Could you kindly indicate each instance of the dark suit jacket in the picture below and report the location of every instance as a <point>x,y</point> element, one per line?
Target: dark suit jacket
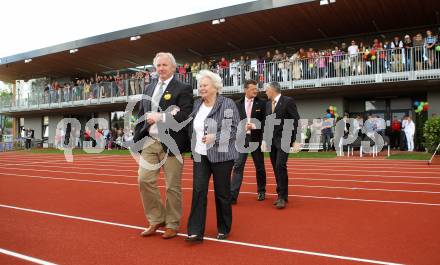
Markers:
<point>258,112</point>
<point>284,109</point>
<point>182,97</point>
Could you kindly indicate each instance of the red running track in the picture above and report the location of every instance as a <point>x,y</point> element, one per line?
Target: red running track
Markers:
<point>340,212</point>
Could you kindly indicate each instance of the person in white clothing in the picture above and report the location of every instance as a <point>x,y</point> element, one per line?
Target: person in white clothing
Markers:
<point>353,52</point>
<point>409,130</point>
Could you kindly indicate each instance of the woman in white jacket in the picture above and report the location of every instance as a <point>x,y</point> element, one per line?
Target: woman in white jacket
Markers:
<point>409,130</point>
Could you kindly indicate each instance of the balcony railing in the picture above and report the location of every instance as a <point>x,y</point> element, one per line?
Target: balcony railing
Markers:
<point>336,69</point>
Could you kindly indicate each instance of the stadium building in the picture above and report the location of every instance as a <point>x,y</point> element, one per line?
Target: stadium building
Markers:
<point>379,78</point>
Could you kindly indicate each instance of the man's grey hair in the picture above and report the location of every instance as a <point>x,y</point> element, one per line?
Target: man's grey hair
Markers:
<point>167,54</point>
<point>215,78</point>
<point>275,86</point>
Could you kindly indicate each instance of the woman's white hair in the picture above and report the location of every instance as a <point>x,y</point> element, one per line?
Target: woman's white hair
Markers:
<point>167,54</point>
<point>215,79</point>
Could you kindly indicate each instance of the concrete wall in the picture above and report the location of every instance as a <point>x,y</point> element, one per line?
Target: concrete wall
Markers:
<point>34,123</point>
<point>105,115</point>
<point>434,103</point>
<point>316,107</point>
<point>53,122</point>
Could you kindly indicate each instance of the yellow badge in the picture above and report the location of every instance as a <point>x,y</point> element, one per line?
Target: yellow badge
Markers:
<point>167,96</point>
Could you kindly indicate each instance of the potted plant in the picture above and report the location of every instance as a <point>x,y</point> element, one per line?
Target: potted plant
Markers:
<point>431,133</point>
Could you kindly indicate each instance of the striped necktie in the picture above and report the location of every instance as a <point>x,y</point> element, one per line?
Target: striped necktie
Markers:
<point>157,96</point>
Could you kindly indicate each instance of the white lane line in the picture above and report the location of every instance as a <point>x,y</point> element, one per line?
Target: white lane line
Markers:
<point>319,162</point>
<point>188,173</point>
<point>33,163</point>
<point>254,183</point>
<point>289,250</point>
<point>80,167</point>
<point>24,257</point>
<point>134,169</point>
<point>244,192</point>
<point>290,163</point>
<point>293,161</point>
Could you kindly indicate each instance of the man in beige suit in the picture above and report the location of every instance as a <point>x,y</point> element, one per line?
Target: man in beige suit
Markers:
<point>165,93</point>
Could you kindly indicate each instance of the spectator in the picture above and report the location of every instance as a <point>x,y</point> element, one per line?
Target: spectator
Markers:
<point>315,134</point>
<point>302,56</point>
<point>418,51</point>
<point>29,136</point>
<point>353,51</point>
<point>388,53</point>
<point>403,139</point>
<point>233,66</point>
<point>311,57</point>
<point>337,58</point>
<point>377,51</point>
<point>410,129</point>
<point>278,65</point>
<point>345,65</point>
<point>327,133</point>
<point>430,42</point>
<point>268,67</point>
<point>396,46</point>
<point>395,133</point>
<point>296,65</point>
<point>409,53</point>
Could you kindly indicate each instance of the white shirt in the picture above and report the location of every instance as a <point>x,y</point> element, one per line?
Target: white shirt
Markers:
<point>404,123</point>
<point>199,128</point>
<point>353,50</point>
<point>410,128</point>
<point>153,128</point>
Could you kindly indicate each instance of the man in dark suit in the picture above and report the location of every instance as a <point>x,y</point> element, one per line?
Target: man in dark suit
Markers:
<point>250,107</point>
<point>285,111</point>
<point>166,93</point>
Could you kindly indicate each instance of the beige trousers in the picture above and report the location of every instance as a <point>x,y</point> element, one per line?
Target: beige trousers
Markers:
<point>155,211</point>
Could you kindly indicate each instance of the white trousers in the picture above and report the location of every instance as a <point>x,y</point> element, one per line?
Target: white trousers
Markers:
<point>410,141</point>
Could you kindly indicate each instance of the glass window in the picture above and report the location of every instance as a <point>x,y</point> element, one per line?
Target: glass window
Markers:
<point>400,103</point>
<point>375,105</point>
<point>45,130</point>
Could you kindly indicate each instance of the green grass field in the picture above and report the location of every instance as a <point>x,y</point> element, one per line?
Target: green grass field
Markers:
<point>304,154</point>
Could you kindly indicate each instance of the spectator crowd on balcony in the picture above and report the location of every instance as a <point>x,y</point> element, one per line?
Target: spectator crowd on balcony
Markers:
<point>417,52</point>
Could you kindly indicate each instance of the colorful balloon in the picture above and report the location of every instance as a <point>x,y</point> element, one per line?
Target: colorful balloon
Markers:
<point>437,48</point>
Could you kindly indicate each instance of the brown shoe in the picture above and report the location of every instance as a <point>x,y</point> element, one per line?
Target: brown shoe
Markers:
<point>152,229</point>
<point>169,233</point>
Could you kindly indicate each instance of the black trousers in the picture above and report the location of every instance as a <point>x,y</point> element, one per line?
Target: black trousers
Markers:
<point>403,142</point>
<point>237,172</point>
<point>395,139</point>
<point>28,143</point>
<point>222,190</point>
<point>278,158</point>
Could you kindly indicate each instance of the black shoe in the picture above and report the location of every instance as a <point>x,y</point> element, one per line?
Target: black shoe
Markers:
<point>221,236</point>
<point>194,239</point>
<point>281,204</point>
<point>261,196</point>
